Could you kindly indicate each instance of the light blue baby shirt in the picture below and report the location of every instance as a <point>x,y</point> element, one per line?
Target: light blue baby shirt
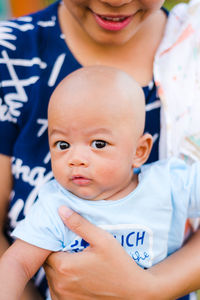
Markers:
<point>149,223</point>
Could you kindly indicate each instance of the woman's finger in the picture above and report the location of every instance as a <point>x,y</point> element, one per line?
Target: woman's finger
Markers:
<point>94,235</point>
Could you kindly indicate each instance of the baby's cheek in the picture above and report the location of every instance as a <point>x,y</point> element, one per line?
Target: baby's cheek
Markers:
<point>59,170</point>
<point>110,173</point>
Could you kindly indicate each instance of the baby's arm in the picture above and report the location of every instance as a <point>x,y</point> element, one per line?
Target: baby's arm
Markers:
<point>17,265</point>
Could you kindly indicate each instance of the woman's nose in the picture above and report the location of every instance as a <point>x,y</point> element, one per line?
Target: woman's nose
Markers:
<point>116,3</point>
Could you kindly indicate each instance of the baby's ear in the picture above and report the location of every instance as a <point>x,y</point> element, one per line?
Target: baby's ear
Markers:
<point>143,150</point>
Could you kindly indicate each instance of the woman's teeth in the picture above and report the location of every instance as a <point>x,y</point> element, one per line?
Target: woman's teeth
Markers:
<point>114,19</point>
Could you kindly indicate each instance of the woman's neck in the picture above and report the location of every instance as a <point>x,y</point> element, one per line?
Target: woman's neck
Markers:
<point>135,56</point>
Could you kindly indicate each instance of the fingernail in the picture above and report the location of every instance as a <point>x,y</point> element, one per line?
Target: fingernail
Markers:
<point>65,212</point>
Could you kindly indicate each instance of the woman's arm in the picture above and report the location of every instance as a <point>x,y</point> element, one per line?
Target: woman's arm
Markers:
<point>6,186</point>
<point>179,274</point>
<point>105,271</point>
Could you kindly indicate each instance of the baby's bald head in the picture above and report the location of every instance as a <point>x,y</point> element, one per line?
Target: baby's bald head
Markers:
<point>101,89</point>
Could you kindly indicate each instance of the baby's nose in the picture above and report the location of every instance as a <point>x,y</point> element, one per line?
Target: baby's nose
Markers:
<point>77,162</point>
<point>78,158</point>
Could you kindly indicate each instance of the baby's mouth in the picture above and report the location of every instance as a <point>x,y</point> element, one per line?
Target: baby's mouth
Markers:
<point>80,180</point>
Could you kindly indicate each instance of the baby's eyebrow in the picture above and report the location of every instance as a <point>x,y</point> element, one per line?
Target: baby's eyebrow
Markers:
<point>57,131</point>
<point>86,131</point>
<point>99,130</point>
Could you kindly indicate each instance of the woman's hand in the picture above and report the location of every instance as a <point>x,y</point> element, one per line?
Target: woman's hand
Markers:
<point>102,271</point>
<point>105,271</point>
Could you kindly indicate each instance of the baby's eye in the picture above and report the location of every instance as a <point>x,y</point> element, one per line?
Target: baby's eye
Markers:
<point>61,145</point>
<point>98,144</point>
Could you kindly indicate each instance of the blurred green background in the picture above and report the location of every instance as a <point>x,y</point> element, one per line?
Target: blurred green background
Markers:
<point>170,3</point>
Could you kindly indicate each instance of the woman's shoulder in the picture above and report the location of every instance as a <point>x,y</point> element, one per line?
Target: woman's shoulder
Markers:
<point>191,8</point>
<point>184,15</point>
<point>22,33</point>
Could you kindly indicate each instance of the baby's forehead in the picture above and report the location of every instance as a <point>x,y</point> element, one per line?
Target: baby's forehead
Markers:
<point>99,88</point>
<point>110,86</point>
<point>97,100</point>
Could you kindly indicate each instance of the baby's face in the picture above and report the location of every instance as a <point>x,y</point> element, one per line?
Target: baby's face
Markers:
<point>92,145</point>
<point>95,122</point>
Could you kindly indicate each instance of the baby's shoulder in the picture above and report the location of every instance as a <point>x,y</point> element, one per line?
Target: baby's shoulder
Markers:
<point>49,188</point>
<point>164,168</point>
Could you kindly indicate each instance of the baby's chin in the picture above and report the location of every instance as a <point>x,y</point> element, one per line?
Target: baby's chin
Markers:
<point>86,195</point>
<point>90,193</point>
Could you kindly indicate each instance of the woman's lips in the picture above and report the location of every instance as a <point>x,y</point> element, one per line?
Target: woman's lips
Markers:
<point>112,23</point>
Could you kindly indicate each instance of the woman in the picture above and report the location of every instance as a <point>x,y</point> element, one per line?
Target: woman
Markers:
<point>37,51</point>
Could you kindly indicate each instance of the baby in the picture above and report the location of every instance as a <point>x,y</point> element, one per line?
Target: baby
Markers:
<point>96,121</point>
